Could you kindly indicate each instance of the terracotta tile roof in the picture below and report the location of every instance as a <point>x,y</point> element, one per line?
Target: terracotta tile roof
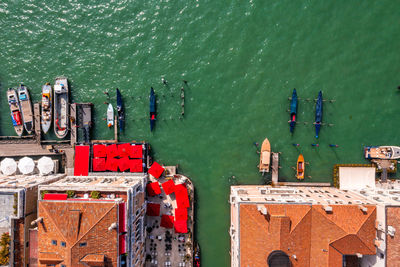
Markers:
<point>49,258</point>
<point>393,243</point>
<point>94,259</point>
<point>315,237</point>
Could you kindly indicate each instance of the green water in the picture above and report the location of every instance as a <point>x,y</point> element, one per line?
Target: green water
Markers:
<point>241,60</point>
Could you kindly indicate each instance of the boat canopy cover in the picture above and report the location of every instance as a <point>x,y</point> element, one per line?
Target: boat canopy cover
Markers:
<point>156,170</point>
<point>81,167</point>
<point>59,88</point>
<point>181,195</point>
<point>153,209</point>
<point>153,189</point>
<point>99,151</point>
<point>136,152</point>
<point>169,187</point>
<point>136,165</point>
<point>167,221</point>
<point>99,164</point>
<point>265,157</point>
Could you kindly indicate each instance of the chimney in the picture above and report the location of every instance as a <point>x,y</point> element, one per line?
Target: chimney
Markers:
<point>112,226</point>
<point>328,209</point>
<point>391,230</point>
<point>262,209</point>
<point>363,209</point>
<point>38,220</point>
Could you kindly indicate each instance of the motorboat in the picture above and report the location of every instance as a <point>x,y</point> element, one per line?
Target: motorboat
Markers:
<point>46,107</point>
<point>300,167</point>
<point>26,108</point>
<point>153,112</point>
<point>61,107</point>
<point>110,116</point>
<point>293,110</point>
<point>120,110</point>
<point>318,114</point>
<point>265,156</point>
<point>15,109</point>
<point>382,152</point>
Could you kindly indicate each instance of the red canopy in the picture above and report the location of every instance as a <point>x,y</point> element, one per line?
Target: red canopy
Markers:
<point>136,152</point>
<point>136,165</point>
<point>156,170</point>
<point>112,151</point>
<point>98,164</point>
<point>124,150</point>
<point>181,214</point>
<point>123,164</point>
<point>153,209</point>
<point>99,151</point>
<point>167,221</point>
<point>153,189</point>
<point>112,164</point>
<point>81,166</point>
<point>169,187</point>
<point>181,195</point>
<point>55,196</point>
<point>180,226</point>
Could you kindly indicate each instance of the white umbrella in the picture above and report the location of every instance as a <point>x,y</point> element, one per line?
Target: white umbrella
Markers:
<point>45,165</point>
<point>26,165</point>
<point>8,166</point>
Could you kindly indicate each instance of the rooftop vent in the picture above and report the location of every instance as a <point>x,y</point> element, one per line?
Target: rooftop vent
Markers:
<point>112,226</point>
<point>363,209</point>
<point>328,209</point>
<point>262,209</point>
<point>391,230</point>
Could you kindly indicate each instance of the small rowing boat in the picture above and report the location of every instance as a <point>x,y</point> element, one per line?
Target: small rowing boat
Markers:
<point>382,152</point>
<point>300,167</point>
<point>15,111</point>
<point>110,116</point>
<point>46,107</point>
<point>293,110</point>
<point>318,114</point>
<point>196,256</point>
<point>61,107</point>
<point>152,109</point>
<point>265,156</point>
<point>120,110</point>
<point>26,107</point>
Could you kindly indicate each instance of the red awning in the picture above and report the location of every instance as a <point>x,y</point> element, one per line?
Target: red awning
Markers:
<point>124,150</point>
<point>99,151</point>
<point>136,165</point>
<point>153,209</point>
<point>55,196</point>
<point>167,221</point>
<point>98,164</point>
<point>169,187</point>
<point>153,189</point>
<point>112,164</point>
<point>123,164</point>
<point>122,217</point>
<point>180,226</point>
<point>122,244</point>
<point>156,170</point>
<point>181,214</point>
<point>112,151</point>
<point>81,167</point>
<point>136,152</point>
<point>181,195</point>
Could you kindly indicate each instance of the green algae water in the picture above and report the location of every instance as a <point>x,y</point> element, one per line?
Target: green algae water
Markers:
<point>241,60</point>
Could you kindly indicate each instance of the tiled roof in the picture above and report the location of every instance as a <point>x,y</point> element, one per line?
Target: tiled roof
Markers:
<point>94,259</point>
<point>308,234</point>
<point>393,243</point>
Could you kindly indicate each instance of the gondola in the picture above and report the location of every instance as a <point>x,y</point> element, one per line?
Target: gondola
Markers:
<point>15,111</point>
<point>318,114</point>
<point>293,111</point>
<point>153,113</point>
<point>120,110</point>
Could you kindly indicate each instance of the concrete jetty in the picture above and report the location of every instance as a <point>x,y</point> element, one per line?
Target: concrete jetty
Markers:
<point>275,167</point>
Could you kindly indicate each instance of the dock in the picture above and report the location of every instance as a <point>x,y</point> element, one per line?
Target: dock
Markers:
<point>36,115</point>
<point>74,134</point>
<point>275,167</point>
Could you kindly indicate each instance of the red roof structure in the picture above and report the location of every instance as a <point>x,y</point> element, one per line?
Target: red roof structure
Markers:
<point>135,165</point>
<point>181,214</point>
<point>167,221</point>
<point>124,150</point>
<point>181,195</point>
<point>112,151</point>
<point>124,164</point>
<point>98,164</point>
<point>136,152</point>
<point>180,226</point>
<point>112,164</point>
<point>55,196</point>
<point>156,170</point>
<point>81,167</point>
<point>153,209</point>
<point>169,187</point>
<point>153,189</point>
<point>99,151</point>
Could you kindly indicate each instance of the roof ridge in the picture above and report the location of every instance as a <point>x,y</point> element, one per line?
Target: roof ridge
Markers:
<point>302,218</point>
<point>360,230</point>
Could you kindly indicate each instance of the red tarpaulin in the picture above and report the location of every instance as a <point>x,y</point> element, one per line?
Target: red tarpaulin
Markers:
<point>156,170</point>
<point>99,151</point>
<point>169,187</point>
<point>124,150</point>
<point>153,209</point>
<point>181,195</point>
<point>136,165</point>
<point>153,189</point>
<point>112,164</point>
<point>167,221</point>
<point>55,196</point>
<point>112,151</point>
<point>136,152</point>
<point>99,164</point>
<point>81,167</point>
<point>123,164</point>
<point>180,226</point>
<point>181,214</point>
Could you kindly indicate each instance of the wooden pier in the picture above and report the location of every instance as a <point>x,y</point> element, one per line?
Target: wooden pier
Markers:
<point>36,114</point>
<point>74,134</point>
<point>275,167</point>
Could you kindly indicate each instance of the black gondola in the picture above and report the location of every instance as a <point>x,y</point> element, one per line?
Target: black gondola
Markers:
<point>120,110</point>
<point>152,109</point>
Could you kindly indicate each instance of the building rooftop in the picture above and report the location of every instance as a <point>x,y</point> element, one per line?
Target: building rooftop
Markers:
<point>26,181</point>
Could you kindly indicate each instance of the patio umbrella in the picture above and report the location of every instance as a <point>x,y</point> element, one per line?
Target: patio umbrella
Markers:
<point>26,165</point>
<point>45,165</point>
<point>8,166</point>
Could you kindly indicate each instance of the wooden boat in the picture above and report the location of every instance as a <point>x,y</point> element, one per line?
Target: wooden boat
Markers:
<point>46,107</point>
<point>120,110</point>
<point>382,152</point>
<point>293,110</point>
<point>300,167</point>
<point>196,256</point>
<point>318,114</point>
<point>26,107</point>
<point>153,112</point>
<point>265,156</point>
<point>15,109</point>
<point>110,116</point>
<point>61,107</point>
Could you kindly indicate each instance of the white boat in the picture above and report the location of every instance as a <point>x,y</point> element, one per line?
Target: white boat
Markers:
<point>110,116</point>
<point>46,107</point>
<point>61,107</point>
<point>382,152</point>
<point>26,107</point>
<point>265,156</point>
<point>15,109</point>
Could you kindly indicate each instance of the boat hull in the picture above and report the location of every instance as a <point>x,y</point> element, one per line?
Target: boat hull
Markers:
<point>120,110</point>
<point>153,112</point>
<point>61,107</point>
<point>265,156</point>
<point>15,110</point>
<point>46,107</point>
<point>26,108</point>
<point>318,114</point>
<point>110,116</point>
<point>300,167</point>
<point>293,111</point>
